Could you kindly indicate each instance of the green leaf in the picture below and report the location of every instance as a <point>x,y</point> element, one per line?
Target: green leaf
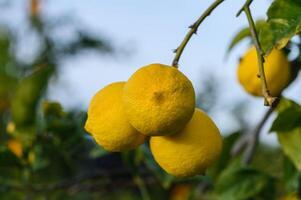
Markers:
<point>27,95</point>
<point>225,156</point>
<point>291,145</point>
<point>52,109</point>
<point>284,21</point>
<point>243,34</point>
<point>285,104</point>
<point>287,125</point>
<point>264,155</point>
<point>289,116</point>
<point>243,183</point>
<point>5,43</point>
<point>290,176</point>
<point>287,120</point>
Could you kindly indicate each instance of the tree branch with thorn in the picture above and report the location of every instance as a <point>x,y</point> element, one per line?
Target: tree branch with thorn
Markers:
<point>250,140</point>
<point>193,29</point>
<point>268,99</point>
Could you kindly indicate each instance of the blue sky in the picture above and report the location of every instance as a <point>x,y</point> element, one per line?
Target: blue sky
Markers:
<point>151,29</point>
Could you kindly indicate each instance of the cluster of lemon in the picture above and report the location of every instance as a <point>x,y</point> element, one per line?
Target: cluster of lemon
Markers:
<point>158,101</point>
<point>277,71</point>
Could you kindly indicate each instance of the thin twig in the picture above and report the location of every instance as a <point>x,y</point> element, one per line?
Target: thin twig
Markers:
<point>268,99</point>
<point>193,29</point>
<point>142,187</point>
<point>250,140</point>
<point>247,4</point>
<point>255,137</point>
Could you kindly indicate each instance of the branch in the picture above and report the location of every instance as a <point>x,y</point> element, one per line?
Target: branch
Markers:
<point>250,140</point>
<point>247,4</point>
<point>269,100</point>
<point>193,29</point>
<point>255,137</point>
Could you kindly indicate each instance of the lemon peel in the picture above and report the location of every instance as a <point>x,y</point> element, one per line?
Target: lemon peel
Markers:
<point>190,151</point>
<point>107,122</point>
<point>158,100</point>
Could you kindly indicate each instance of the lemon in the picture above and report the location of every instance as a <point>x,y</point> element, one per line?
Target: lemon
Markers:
<point>15,146</point>
<point>107,122</point>
<point>181,192</point>
<point>291,196</point>
<point>158,100</point>
<point>190,151</point>
<point>277,72</point>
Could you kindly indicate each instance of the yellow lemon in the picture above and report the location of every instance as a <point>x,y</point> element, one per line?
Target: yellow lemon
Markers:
<point>31,157</point>
<point>291,196</point>
<point>180,192</point>
<point>190,151</point>
<point>15,146</point>
<point>276,67</point>
<point>10,128</point>
<point>107,122</point>
<point>158,100</point>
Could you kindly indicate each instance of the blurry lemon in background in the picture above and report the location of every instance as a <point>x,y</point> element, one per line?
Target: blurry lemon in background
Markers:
<point>15,146</point>
<point>276,67</point>
<point>190,151</point>
<point>107,121</point>
<point>158,100</point>
<point>292,196</point>
<point>180,192</point>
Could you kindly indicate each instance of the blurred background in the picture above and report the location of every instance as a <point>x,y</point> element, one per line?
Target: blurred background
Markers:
<point>55,55</point>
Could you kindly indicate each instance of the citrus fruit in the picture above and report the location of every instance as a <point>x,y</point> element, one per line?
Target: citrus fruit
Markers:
<point>15,146</point>
<point>291,196</point>
<point>107,122</point>
<point>158,100</point>
<point>276,68</point>
<point>181,191</point>
<point>190,151</point>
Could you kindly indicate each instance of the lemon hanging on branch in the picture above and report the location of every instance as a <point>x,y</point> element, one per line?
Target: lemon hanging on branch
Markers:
<point>276,68</point>
<point>107,121</point>
<point>158,100</point>
<point>190,151</point>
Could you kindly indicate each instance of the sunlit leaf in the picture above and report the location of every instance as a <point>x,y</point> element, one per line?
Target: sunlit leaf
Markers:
<point>243,183</point>
<point>243,34</point>
<point>287,120</point>
<point>291,144</point>
<point>287,125</point>
<point>28,94</point>
<point>284,21</point>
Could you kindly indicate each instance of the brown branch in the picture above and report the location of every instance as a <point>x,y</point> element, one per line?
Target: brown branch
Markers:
<point>268,99</point>
<point>250,140</point>
<point>193,29</point>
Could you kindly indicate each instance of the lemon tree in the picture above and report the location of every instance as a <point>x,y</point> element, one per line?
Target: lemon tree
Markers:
<point>144,138</point>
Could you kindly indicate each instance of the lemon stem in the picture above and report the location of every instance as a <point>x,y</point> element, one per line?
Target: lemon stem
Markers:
<point>268,99</point>
<point>247,4</point>
<point>193,30</point>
